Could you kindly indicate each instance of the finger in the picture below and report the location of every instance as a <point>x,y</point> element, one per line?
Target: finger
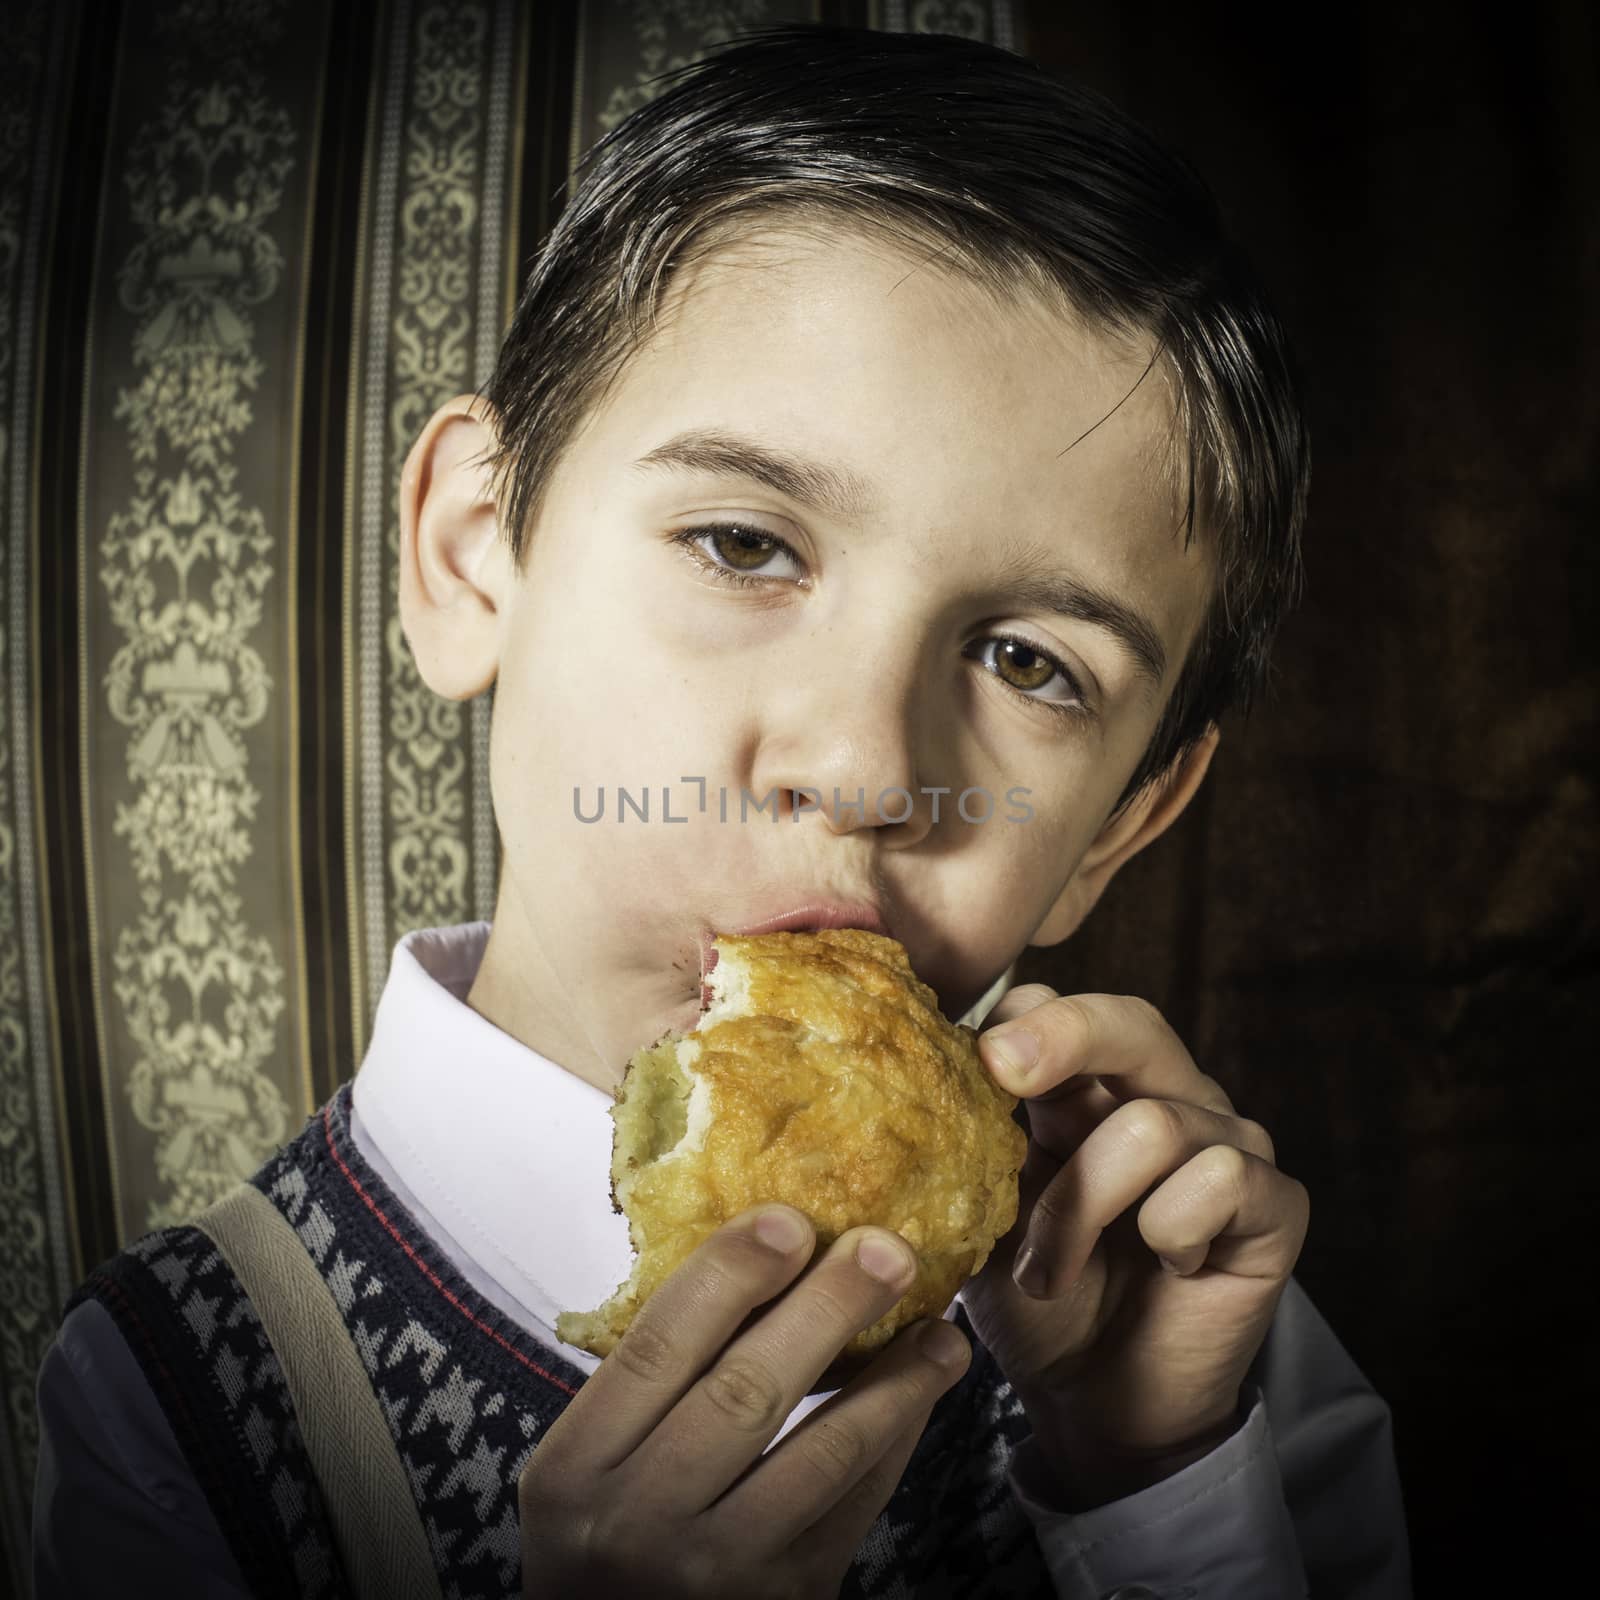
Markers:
<point>1134,1149</point>
<point>1076,1105</point>
<point>678,1332</point>
<point>818,1550</point>
<point>1119,1039</point>
<point>1230,1211</point>
<point>1018,1002</point>
<point>1062,1118</point>
<point>733,1412</point>
<point>842,1462</point>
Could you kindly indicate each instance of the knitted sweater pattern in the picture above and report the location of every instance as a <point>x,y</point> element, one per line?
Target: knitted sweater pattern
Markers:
<point>468,1394</point>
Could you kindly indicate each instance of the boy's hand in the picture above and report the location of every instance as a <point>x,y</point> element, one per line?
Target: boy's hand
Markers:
<point>1129,1369</point>
<point>652,1481</point>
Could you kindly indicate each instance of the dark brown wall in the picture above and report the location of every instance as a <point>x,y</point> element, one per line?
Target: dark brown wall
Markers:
<point>1378,927</point>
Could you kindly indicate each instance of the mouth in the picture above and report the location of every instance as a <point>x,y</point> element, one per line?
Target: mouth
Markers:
<point>808,918</point>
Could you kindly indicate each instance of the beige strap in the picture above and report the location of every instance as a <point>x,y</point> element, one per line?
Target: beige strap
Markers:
<point>353,1454</point>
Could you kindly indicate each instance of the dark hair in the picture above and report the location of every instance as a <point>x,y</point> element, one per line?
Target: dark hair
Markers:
<point>1019,179</point>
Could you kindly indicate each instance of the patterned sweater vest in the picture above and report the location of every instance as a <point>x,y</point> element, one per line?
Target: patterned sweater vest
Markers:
<point>467,1394</point>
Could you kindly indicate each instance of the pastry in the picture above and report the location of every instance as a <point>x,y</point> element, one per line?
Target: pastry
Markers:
<point>822,1075</point>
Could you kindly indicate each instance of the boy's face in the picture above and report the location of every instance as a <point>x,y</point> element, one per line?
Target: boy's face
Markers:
<point>864,660</point>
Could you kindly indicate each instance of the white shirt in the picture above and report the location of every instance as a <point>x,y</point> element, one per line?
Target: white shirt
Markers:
<point>476,1133</point>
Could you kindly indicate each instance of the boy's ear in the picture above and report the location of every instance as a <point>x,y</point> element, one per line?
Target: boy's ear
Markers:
<point>455,569</point>
<point>1149,814</point>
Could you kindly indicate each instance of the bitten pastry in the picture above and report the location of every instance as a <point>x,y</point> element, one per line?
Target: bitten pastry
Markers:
<point>824,1076</point>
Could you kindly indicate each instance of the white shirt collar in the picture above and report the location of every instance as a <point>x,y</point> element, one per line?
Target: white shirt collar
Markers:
<point>503,1150</point>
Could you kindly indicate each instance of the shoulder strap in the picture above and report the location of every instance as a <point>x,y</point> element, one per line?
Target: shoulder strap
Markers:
<point>352,1451</point>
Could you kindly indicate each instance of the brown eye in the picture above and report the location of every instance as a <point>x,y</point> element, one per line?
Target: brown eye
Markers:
<point>1022,667</point>
<point>1036,678</point>
<point>743,548</point>
<point>737,554</point>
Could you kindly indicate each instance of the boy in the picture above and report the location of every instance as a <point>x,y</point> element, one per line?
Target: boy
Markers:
<point>884,422</point>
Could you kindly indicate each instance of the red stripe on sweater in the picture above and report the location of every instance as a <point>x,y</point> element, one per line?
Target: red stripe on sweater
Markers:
<point>423,1267</point>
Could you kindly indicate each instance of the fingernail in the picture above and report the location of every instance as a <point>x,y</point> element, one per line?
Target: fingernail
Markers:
<point>1169,1265</point>
<point>782,1231</point>
<point>1029,1274</point>
<point>887,1261</point>
<point>944,1344</point>
<point>1017,1049</point>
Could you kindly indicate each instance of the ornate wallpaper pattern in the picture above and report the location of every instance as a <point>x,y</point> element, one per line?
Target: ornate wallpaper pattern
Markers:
<point>424,850</point>
<point>246,248</point>
<point>184,530</point>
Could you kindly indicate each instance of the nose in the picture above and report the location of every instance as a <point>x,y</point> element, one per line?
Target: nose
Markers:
<point>845,742</point>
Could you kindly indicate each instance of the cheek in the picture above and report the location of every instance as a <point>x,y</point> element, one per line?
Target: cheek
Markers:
<point>579,716</point>
<point>595,695</point>
<point>1016,871</point>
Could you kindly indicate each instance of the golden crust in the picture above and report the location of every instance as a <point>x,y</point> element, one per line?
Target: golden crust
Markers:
<point>823,1076</point>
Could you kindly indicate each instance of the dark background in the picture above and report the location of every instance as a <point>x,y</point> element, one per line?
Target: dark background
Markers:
<point>1377,924</point>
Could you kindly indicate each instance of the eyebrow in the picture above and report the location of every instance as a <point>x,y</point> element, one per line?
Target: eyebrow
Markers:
<point>1040,590</point>
<point>832,491</point>
<point>843,495</point>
